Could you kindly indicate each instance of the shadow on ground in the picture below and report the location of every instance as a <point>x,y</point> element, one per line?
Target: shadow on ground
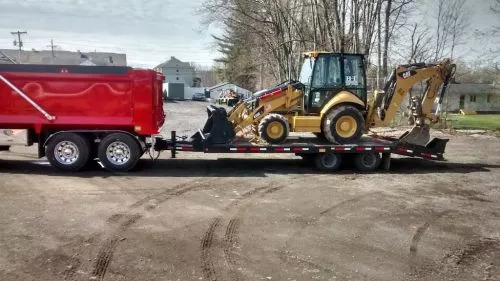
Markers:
<point>232,167</point>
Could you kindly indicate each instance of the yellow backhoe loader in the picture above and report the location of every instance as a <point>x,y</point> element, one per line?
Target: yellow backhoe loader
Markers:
<point>330,100</point>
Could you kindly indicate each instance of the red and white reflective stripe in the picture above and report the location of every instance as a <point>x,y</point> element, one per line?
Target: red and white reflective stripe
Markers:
<point>300,149</point>
<point>404,150</point>
<point>428,155</point>
<point>257,149</point>
<point>282,149</point>
<point>363,148</point>
<point>342,148</point>
<point>185,148</point>
<point>238,149</point>
<point>382,148</point>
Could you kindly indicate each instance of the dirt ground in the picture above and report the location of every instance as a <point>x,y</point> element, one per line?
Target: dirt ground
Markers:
<point>253,218</point>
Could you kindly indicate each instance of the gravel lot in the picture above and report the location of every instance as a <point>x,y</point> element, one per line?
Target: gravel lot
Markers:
<point>273,218</point>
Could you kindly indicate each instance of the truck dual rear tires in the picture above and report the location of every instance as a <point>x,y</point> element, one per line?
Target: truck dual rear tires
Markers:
<point>71,152</point>
<point>274,128</point>
<point>343,124</point>
<point>68,152</point>
<point>119,152</point>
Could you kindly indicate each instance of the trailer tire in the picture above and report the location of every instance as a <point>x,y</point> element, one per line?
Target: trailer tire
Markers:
<point>69,152</point>
<point>119,152</point>
<point>274,128</point>
<point>328,161</point>
<point>367,162</point>
<point>343,124</point>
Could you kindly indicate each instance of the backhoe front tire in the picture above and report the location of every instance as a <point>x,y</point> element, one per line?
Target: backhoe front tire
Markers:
<point>274,128</point>
<point>343,124</point>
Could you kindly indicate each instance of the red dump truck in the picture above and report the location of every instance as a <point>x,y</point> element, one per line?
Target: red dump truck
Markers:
<point>77,114</point>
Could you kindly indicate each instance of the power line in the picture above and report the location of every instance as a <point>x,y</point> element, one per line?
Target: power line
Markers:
<point>19,41</point>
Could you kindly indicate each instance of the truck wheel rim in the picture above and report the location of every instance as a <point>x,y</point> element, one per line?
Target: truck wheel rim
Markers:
<point>275,130</point>
<point>329,160</point>
<point>118,153</point>
<point>66,152</point>
<point>346,126</point>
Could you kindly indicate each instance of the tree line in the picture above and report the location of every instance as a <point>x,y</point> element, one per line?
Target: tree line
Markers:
<point>263,40</point>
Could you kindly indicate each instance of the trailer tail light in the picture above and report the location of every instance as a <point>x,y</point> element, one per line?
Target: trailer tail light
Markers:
<point>138,129</point>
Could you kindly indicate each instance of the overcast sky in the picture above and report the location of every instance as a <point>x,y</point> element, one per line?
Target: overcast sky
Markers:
<point>148,31</point>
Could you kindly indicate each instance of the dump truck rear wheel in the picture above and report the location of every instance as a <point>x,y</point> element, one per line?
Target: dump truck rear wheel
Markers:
<point>68,152</point>
<point>328,161</point>
<point>119,152</point>
<point>274,128</point>
<point>367,162</point>
<point>343,124</point>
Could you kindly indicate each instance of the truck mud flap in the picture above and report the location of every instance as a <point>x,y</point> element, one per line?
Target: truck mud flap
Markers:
<point>217,129</point>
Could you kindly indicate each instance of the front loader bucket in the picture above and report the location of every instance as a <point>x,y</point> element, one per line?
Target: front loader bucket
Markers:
<point>418,135</point>
<point>217,129</point>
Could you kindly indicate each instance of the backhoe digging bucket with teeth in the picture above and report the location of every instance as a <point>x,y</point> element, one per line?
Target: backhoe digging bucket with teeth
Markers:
<point>418,135</point>
<point>217,129</point>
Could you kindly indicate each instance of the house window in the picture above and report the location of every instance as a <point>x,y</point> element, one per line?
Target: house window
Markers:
<point>177,70</point>
<point>177,78</point>
<point>473,98</point>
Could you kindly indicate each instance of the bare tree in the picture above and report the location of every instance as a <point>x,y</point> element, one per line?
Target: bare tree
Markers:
<point>453,22</point>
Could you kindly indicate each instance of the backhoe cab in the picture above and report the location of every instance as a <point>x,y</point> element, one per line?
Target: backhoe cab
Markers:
<point>330,100</point>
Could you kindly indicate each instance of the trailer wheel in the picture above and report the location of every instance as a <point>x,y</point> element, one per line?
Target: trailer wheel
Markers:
<point>119,152</point>
<point>328,161</point>
<point>367,162</point>
<point>68,152</point>
<point>274,128</point>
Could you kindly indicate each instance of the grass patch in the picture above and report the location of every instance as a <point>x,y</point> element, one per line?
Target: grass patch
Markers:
<point>475,122</point>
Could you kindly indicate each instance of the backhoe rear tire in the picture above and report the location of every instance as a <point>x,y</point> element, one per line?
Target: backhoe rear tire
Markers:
<point>343,124</point>
<point>274,128</point>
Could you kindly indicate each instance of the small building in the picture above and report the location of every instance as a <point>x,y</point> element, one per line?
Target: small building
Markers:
<point>176,71</point>
<point>222,88</point>
<point>482,98</point>
<point>8,56</point>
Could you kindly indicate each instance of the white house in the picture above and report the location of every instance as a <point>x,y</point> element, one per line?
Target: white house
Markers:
<point>176,71</point>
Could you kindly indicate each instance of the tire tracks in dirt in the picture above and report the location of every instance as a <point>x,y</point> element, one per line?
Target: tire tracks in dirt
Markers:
<point>228,243</point>
<point>284,253</point>
<point>417,237</point>
<point>108,247</point>
<point>126,220</point>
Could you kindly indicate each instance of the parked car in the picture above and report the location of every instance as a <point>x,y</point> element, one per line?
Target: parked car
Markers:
<point>199,97</point>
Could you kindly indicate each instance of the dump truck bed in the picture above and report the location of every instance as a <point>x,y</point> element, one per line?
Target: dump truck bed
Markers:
<point>63,97</point>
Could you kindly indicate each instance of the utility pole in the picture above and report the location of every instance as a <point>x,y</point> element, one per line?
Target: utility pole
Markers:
<point>19,41</point>
<point>52,47</point>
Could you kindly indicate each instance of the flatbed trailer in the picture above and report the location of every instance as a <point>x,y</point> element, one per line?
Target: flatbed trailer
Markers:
<point>78,114</point>
<point>369,154</point>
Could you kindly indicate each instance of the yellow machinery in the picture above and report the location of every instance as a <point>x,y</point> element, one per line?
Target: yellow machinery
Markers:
<point>330,100</point>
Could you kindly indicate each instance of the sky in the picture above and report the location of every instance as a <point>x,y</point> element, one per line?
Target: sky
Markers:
<point>148,31</point>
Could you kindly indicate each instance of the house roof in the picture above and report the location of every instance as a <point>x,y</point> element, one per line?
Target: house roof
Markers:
<point>65,57</point>
<point>474,89</point>
<point>174,63</point>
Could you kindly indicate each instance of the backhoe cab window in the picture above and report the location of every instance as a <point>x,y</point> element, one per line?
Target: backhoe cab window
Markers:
<point>353,72</point>
<point>327,72</point>
<point>306,71</point>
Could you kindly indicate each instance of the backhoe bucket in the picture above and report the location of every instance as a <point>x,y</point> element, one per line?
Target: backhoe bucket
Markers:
<point>217,129</point>
<point>418,135</point>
